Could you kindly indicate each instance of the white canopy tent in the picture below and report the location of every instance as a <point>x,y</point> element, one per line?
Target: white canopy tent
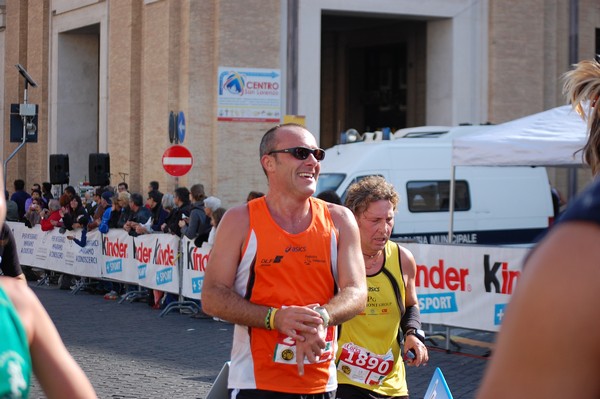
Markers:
<point>548,138</point>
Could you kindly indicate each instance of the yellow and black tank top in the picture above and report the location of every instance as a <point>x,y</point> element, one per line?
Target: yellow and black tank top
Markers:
<point>368,353</point>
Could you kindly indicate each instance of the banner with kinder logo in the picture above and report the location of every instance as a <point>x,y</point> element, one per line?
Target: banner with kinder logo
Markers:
<point>149,260</point>
<point>457,286</point>
<point>194,264</point>
<point>466,286</point>
<point>157,254</point>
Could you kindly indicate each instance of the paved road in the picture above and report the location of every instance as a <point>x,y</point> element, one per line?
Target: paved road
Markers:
<point>128,351</point>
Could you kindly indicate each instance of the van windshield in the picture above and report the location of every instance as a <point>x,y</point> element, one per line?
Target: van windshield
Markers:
<point>329,181</point>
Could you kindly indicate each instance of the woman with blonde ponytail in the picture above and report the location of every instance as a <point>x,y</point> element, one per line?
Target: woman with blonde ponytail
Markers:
<point>547,346</point>
<point>582,89</point>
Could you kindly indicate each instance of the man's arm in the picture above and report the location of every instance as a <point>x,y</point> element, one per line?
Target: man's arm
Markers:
<point>218,294</point>
<point>133,220</point>
<point>409,268</point>
<point>351,298</point>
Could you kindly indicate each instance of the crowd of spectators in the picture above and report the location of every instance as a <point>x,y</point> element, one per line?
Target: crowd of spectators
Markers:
<point>185,212</point>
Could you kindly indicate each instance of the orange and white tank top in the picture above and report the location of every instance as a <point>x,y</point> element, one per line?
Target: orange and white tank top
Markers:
<point>282,269</point>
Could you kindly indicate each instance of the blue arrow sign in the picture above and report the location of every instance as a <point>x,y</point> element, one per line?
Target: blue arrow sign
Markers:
<point>181,127</point>
<point>272,75</point>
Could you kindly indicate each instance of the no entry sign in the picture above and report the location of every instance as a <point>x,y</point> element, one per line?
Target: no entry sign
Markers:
<point>177,160</point>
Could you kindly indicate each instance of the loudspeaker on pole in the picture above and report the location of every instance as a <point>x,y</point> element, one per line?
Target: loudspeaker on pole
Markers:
<point>99,169</point>
<point>59,169</point>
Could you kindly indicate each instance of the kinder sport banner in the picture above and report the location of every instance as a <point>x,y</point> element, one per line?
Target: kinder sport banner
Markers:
<point>457,286</point>
<point>149,260</point>
<point>194,264</point>
<point>466,286</point>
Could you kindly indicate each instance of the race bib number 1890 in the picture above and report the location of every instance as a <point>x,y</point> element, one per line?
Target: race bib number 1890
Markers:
<point>360,365</point>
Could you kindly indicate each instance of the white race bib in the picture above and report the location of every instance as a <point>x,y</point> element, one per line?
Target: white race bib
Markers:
<point>285,349</point>
<point>363,366</point>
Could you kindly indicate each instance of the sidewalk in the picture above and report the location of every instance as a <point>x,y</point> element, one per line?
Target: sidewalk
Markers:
<point>128,351</point>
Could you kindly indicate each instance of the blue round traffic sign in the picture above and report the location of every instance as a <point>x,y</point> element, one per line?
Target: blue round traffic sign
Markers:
<point>181,127</point>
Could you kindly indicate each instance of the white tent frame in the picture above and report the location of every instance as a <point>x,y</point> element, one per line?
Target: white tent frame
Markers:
<point>548,138</point>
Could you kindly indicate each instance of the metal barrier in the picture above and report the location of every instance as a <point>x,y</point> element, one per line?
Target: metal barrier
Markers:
<point>457,286</point>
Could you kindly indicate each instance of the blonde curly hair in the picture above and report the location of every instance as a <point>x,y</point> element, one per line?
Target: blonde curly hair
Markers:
<point>582,89</point>
<point>370,189</point>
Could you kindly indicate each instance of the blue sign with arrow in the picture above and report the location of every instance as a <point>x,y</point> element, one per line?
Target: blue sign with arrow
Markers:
<point>181,127</point>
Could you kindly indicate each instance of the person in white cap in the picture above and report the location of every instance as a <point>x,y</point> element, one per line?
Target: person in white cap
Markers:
<point>211,204</point>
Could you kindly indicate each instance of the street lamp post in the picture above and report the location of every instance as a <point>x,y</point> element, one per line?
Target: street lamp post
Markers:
<point>27,112</point>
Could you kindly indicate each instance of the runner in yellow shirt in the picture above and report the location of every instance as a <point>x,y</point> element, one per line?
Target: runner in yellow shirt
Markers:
<point>369,361</point>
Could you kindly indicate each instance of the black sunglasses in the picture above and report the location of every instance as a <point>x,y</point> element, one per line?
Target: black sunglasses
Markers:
<point>302,152</point>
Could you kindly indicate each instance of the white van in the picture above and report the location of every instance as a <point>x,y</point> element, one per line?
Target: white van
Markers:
<point>493,205</point>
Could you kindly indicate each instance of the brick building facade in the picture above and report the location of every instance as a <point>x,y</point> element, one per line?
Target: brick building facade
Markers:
<point>109,72</point>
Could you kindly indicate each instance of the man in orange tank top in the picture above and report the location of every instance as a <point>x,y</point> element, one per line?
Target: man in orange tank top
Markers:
<point>285,268</point>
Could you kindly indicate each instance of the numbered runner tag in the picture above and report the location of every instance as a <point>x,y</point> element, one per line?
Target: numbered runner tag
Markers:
<point>285,349</point>
<point>360,365</point>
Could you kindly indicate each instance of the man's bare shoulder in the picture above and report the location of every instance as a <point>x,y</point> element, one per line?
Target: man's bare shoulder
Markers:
<point>340,214</point>
<point>236,219</point>
<point>406,254</point>
<point>239,211</point>
<point>409,265</point>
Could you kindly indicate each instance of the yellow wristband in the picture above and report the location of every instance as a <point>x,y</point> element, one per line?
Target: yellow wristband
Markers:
<point>272,318</point>
<point>268,319</point>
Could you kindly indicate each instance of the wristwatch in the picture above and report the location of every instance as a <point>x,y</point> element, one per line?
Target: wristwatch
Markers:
<point>420,334</point>
<point>323,313</point>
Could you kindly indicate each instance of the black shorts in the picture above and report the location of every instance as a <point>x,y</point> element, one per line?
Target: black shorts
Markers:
<point>260,394</point>
<point>347,391</point>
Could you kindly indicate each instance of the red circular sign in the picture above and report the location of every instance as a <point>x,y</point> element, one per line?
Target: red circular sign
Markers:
<point>177,160</point>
